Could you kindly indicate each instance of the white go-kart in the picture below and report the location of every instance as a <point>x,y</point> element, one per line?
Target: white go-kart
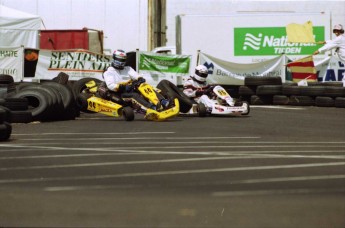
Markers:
<point>219,102</point>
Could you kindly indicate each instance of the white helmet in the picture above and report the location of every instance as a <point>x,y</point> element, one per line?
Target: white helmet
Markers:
<point>119,59</point>
<point>201,73</point>
<point>338,28</point>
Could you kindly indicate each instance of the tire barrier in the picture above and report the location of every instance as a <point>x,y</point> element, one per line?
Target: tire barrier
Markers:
<point>321,94</point>
<point>31,101</point>
<point>5,126</point>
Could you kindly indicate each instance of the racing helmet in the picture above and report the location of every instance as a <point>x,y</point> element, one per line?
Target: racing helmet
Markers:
<point>338,28</point>
<point>119,59</point>
<point>200,74</point>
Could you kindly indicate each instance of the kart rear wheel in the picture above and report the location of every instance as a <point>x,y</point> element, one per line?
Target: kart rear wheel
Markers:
<point>128,113</point>
<point>246,104</point>
<point>201,109</point>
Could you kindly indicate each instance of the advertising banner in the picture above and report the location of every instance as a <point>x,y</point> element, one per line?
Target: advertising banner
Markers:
<point>11,62</point>
<point>229,73</point>
<point>261,41</point>
<point>76,63</point>
<point>330,69</point>
<point>156,67</point>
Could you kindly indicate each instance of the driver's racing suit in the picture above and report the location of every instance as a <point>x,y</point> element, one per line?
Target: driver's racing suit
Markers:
<point>198,91</point>
<point>115,86</point>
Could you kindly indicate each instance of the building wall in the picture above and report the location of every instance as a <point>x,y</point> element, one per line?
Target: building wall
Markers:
<point>125,22</point>
<point>176,7</point>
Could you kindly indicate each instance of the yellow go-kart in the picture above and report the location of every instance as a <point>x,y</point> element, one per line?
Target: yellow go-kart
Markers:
<point>90,101</point>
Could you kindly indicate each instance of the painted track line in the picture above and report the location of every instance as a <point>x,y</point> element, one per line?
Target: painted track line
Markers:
<point>177,172</point>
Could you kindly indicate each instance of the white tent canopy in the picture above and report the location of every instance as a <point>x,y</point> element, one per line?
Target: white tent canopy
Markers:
<point>18,28</point>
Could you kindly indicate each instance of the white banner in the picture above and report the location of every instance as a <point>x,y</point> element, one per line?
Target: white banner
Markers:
<point>229,73</point>
<point>76,63</point>
<point>330,69</point>
<point>11,62</point>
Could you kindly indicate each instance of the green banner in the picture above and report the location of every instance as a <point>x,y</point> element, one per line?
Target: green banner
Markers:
<point>272,41</point>
<point>164,63</point>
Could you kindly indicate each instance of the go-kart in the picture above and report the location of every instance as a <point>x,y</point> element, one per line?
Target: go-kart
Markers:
<point>90,100</point>
<point>218,95</point>
<point>221,104</point>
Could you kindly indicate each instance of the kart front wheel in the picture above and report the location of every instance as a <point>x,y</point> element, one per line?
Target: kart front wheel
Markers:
<point>128,113</point>
<point>201,109</point>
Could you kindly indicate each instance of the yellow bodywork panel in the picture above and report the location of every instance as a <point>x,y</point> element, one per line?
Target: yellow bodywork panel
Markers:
<point>160,116</point>
<point>148,92</point>
<point>105,107</point>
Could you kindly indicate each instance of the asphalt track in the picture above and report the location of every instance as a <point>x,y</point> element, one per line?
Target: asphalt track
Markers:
<point>281,166</point>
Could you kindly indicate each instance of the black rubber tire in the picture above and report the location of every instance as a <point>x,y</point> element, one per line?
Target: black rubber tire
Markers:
<point>171,91</point>
<point>128,113</point>
<point>15,104</point>
<point>68,100</point>
<point>258,80</point>
<point>324,102</point>
<point>280,100</point>
<point>301,101</point>
<point>5,131</point>
<point>21,117</point>
<point>61,78</point>
<point>3,115</point>
<point>261,100</point>
<point>79,86</point>
<point>269,90</point>
<point>312,90</point>
<point>82,103</point>
<point>201,109</point>
<point>38,102</point>
<point>247,90</point>
<point>334,91</point>
<point>340,102</point>
<point>291,90</point>
<point>55,111</point>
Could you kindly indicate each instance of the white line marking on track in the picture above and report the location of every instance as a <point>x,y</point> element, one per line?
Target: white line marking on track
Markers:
<point>176,172</point>
<point>276,192</point>
<point>285,179</point>
<point>276,107</point>
<point>141,138</point>
<point>248,181</point>
<point>118,163</point>
<point>244,154</point>
<point>99,133</point>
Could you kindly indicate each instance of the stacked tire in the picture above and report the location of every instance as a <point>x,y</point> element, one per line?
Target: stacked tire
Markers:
<point>271,91</point>
<point>260,90</point>
<point>5,126</point>
<point>46,101</point>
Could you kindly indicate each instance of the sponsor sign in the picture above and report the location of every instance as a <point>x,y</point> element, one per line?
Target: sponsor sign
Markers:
<point>11,62</point>
<point>76,63</point>
<point>229,73</point>
<point>155,67</point>
<point>263,41</point>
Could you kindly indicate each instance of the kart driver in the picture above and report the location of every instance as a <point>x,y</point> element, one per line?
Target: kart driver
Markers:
<point>197,88</point>
<point>115,87</point>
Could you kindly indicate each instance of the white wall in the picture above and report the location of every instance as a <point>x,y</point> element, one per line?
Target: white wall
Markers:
<point>124,22</point>
<point>176,7</point>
